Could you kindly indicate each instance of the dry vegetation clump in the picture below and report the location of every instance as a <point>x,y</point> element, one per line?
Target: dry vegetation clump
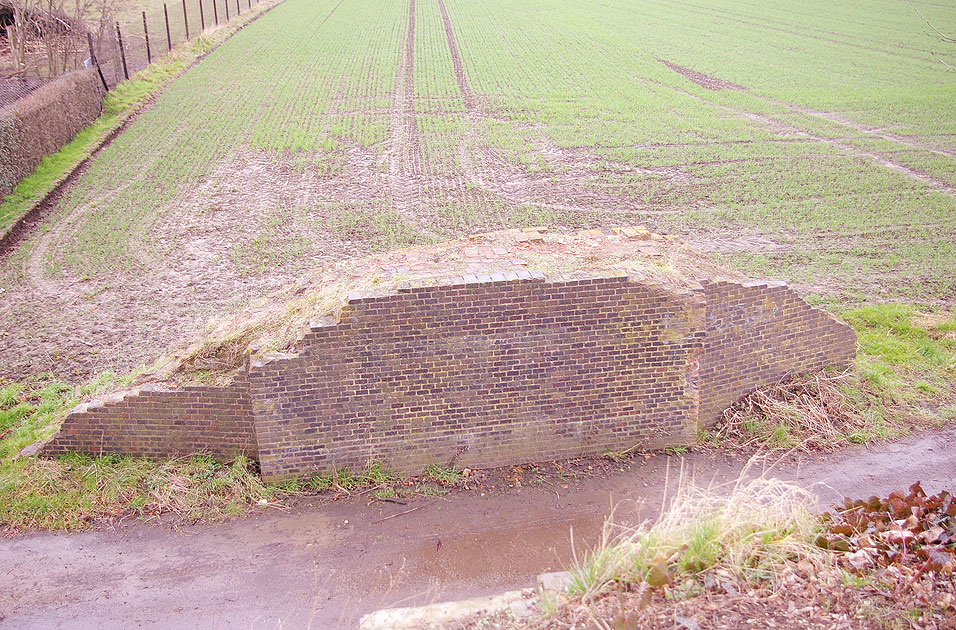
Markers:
<point>808,413</point>
<point>904,379</point>
<point>705,536</point>
<point>270,325</point>
<point>759,557</point>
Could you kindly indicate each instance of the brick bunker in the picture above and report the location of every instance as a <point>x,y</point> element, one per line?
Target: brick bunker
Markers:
<point>510,347</point>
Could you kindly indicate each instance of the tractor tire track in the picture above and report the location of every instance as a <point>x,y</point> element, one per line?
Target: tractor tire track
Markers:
<point>404,155</point>
<point>456,59</point>
<point>794,130</point>
<point>411,122</point>
<point>870,131</point>
<point>491,174</point>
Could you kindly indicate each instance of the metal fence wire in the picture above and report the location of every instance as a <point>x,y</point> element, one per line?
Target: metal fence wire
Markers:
<point>126,47</point>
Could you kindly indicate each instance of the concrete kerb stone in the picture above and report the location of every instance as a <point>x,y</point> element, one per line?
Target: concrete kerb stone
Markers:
<point>520,604</point>
<point>436,616</point>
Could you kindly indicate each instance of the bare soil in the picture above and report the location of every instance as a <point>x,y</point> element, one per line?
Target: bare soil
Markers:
<point>325,563</point>
<point>703,80</point>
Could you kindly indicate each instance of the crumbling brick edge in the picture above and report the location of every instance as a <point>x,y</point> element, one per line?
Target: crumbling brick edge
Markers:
<point>483,370</point>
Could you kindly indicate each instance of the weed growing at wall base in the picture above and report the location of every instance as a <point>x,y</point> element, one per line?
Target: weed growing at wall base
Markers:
<point>73,491</point>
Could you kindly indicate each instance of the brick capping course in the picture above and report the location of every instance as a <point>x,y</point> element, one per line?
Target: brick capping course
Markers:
<point>483,370</point>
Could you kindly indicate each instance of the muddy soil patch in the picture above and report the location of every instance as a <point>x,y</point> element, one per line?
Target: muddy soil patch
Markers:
<point>703,80</point>
<point>254,227</point>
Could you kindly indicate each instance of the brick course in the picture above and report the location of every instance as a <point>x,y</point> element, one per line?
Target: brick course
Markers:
<point>150,422</point>
<point>485,370</point>
<point>757,334</point>
<point>484,373</point>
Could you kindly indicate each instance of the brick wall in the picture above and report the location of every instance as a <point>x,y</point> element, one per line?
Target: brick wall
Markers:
<point>484,374</point>
<point>757,333</point>
<point>155,423</point>
<point>484,371</point>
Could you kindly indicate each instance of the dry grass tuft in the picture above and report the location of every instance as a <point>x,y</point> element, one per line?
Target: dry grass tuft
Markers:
<point>744,532</point>
<point>808,413</point>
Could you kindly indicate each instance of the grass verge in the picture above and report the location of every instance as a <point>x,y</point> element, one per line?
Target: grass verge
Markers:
<point>73,491</point>
<point>119,105</point>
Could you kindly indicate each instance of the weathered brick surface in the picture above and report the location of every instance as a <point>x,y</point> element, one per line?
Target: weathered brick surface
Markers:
<point>485,370</point>
<point>484,373</point>
<point>758,333</point>
<point>155,423</point>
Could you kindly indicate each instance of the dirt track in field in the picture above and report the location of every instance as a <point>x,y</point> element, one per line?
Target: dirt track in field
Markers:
<point>323,566</point>
<point>456,59</point>
<point>261,221</point>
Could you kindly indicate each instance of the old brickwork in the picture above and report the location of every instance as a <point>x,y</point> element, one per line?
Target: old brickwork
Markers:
<point>156,423</point>
<point>758,333</point>
<point>483,371</point>
<point>488,373</point>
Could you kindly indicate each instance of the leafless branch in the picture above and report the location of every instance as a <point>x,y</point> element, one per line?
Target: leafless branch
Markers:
<point>943,62</point>
<point>944,36</point>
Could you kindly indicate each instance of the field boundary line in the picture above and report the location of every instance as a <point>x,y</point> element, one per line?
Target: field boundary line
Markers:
<point>14,232</point>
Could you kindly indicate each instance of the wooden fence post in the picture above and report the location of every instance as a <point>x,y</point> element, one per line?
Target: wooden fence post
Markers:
<point>89,38</point>
<point>227,9</point>
<point>149,55</point>
<point>169,40</point>
<point>215,12</point>
<point>238,9</point>
<point>186,20</point>
<point>119,37</point>
<point>202,19</point>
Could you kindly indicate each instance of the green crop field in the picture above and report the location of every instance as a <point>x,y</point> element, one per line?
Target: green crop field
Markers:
<point>810,141</point>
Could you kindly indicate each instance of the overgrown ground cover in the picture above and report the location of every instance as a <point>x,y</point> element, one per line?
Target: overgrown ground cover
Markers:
<point>811,143</point>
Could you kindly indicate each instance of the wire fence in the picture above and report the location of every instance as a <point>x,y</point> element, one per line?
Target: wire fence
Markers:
<point>124,48</point>
<point>119,49</point>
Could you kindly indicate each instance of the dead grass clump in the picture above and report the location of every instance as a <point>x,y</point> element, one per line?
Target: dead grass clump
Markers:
<point>274,323</point>
<point>703,537</point>
<point>808,413</point>
<point>217,357</point>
